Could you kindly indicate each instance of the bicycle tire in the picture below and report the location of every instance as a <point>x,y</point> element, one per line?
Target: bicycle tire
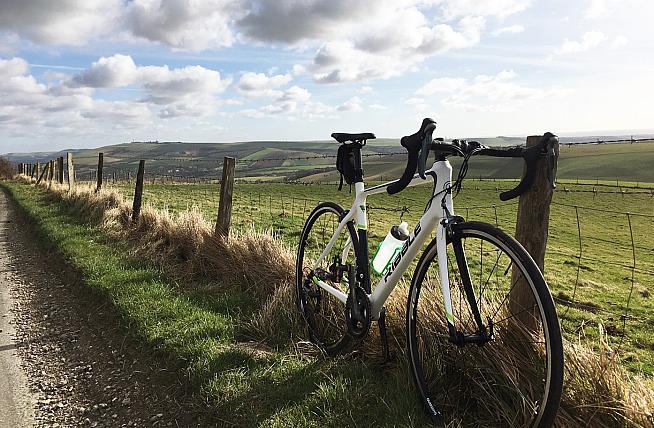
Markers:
<point>333,341</point>
<point>426,375</point>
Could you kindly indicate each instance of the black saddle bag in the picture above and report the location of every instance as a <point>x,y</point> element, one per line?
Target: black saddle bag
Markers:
<point>345,165</point>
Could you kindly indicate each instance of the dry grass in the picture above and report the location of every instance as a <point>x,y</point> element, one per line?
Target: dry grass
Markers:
<point>7,170</point>
<point>598,390</point>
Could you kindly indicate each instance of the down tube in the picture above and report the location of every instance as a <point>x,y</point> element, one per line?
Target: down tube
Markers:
<point>402,261</point>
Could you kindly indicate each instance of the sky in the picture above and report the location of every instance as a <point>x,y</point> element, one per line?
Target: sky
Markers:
<point>87,73</point>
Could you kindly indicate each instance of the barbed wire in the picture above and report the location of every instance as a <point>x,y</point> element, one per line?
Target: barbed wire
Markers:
<point>199,158</point>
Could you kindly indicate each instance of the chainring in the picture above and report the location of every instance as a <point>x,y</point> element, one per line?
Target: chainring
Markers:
<point>355,328</point>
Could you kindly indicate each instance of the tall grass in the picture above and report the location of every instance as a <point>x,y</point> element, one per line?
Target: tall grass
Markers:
<point>598,391</point>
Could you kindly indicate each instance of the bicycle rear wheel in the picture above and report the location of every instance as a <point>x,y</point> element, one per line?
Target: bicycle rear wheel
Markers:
<point>513,379</point>
<point>324,313</point>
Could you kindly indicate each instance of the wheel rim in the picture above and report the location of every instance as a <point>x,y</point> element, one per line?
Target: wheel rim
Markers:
<point>505,381</point>
<point>324,313</point>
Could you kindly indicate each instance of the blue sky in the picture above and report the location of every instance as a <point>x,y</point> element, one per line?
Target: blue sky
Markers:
<point>85,73</point>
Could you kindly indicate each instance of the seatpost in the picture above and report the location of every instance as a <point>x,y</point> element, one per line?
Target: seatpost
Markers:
<point>358,164</point>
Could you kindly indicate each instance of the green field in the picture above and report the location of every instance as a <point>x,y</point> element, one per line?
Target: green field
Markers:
<point>276,161</point>
<point>595,290</point>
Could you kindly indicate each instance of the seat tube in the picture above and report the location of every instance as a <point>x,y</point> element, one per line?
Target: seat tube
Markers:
<point>363,270</point>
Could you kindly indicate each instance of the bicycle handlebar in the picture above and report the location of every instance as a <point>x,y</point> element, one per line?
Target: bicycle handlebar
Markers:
<point>544,148</point>
<point>420,144</point>
<point>417,146</point>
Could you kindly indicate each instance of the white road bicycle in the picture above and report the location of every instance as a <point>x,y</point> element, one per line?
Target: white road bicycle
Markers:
<point>480,320</point>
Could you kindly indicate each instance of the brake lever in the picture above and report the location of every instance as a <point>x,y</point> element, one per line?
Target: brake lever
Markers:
<point>424,149</point>
<point>550,156</point>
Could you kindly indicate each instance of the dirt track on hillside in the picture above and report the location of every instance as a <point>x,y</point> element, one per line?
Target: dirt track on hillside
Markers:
<point>75,364</point>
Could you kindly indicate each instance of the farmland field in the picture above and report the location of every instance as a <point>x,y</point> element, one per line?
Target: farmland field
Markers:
<point>313,161</point>
<point>599,287</point>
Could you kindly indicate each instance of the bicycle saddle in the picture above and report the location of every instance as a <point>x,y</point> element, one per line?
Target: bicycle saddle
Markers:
<point>342,137</point>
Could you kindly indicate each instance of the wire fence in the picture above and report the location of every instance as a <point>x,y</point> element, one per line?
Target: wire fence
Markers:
<point>600,253</point>
<point>599,262</point>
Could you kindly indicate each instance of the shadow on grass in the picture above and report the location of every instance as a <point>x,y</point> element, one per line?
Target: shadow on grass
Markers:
<point>240,385</point>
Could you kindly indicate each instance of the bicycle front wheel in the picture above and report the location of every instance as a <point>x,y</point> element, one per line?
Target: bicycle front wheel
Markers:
<point>514,376</point>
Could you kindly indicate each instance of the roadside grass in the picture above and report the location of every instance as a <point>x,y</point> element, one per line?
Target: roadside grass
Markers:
<point>241,383</point>
<point>595,290</point>
<point>287,382</point>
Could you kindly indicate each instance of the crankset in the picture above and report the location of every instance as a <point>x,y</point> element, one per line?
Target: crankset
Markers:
<point>358,313</point>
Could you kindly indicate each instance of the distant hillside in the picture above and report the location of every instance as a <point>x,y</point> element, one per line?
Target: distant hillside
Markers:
<point>312,161</point>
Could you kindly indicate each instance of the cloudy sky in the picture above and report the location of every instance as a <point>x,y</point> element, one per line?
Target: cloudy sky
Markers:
<point>84,73</point>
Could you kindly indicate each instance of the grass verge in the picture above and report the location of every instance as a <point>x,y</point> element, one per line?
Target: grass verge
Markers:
<point>241,383</point>
<point>235,338</point>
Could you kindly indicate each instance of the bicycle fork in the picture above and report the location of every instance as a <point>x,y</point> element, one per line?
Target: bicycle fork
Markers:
<point>447,230</point>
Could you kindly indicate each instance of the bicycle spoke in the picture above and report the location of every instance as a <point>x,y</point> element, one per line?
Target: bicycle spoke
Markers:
<point>515,360</point>
<point>515,315</point>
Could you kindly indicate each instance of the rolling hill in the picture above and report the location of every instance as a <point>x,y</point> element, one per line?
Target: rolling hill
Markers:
<point>313,160</point>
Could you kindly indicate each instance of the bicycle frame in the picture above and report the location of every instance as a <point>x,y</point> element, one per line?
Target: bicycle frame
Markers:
<point>439,209</point>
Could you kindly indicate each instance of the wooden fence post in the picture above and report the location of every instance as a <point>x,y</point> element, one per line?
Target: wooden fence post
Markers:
<point>46,167</point>
<point>50,170</point>
<point>98,186</point>
<point>531,230</point>
<point>37,170</point>
<point>60,169</point>
<point>226,193</point>
<point>138,192</point>
<point>71,171</point>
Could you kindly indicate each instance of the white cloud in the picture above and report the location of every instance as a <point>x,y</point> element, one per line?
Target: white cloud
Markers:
<point>353,104</point>
<point>295,93</point>
<point>600,8</point>
<point>34,109</point>
<point>120,113</point>
<point>588,41</point>
<point>182,24</point>
<point>298,70</point>
<point>442,84</point>
<point>163,85</point>
<point>419,104</point>
<point>619,42</point>
<point>59,22</point>
<point>511,29</point>
<point>112,72</point>
<point>365,90</point>
<point>280,107</point>
<point>287,101</point>
<point>183,91</point>
<point>317,110</point>
<point>260,85</point>
<point>293,21</point>
<point>354,40</point>
<point>377,107</point>
<point>252,113</point>
<point>482,93</point>
<point>361,40</point>
<point>388,50</point>
<point>453,9</point>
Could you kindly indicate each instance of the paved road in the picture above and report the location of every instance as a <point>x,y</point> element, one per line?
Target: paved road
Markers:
<point>16,402</point>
